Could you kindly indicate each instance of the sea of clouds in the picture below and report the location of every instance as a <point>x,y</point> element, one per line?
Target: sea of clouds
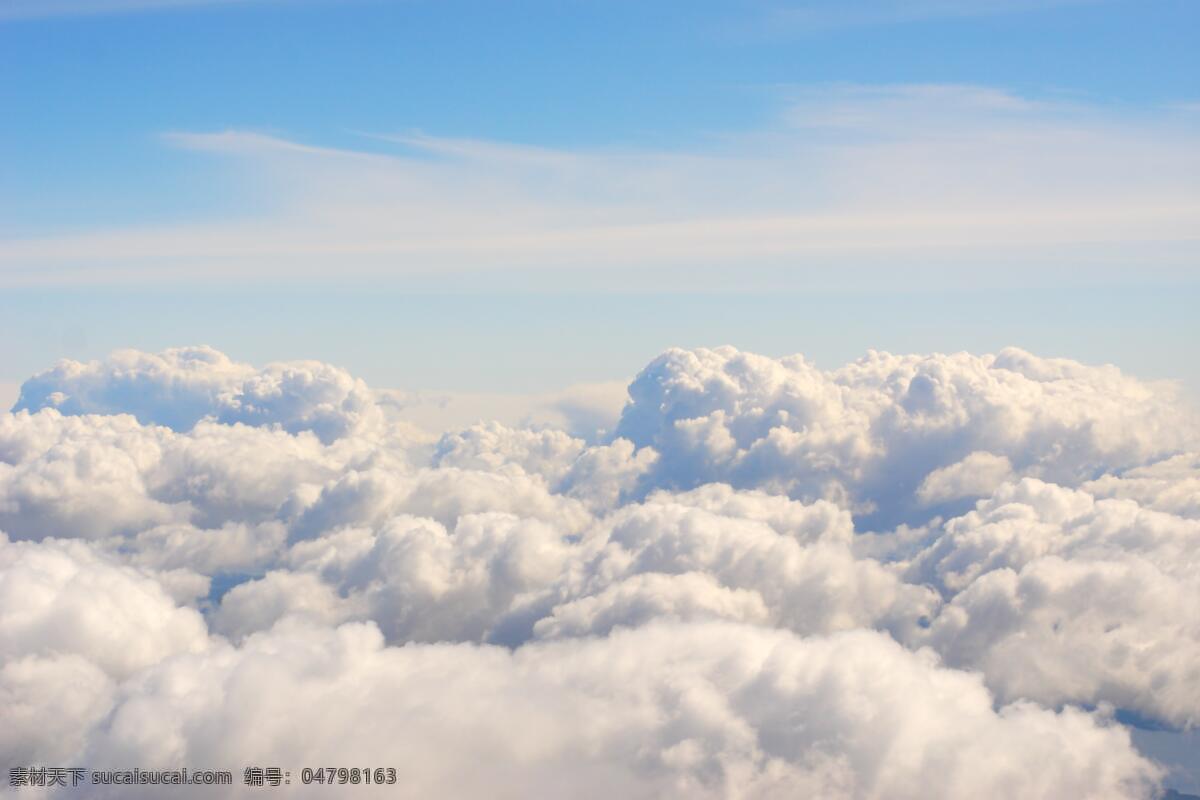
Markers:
<point>920,576</point>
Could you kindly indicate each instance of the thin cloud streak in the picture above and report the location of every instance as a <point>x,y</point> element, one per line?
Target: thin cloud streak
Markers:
<point>850,176</point>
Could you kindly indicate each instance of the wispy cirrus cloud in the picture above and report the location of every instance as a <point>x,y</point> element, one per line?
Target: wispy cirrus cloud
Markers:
<point>850,177</point>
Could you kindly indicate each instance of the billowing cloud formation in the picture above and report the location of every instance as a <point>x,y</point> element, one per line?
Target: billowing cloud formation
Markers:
<point>688,711</point>
<point>64,598</point>
<point>795,560</point>
<point>1170,485</point>
<point>72,624</point>
<point>977,474</point>
<point>181,386</point>
<point>210,564</point>
<point>1061,597</point>
<point>884,434</point>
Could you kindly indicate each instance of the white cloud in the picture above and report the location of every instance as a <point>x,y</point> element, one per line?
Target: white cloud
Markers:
<point>50,704</point>
<point>977,474</point>
<point>233,547</point>
<point>502,577</point>
<point>1059,597</point>
<point>418,580</point>
<point>619,617</point>
<point>586,411</point>
<point>796,558</point>
<point>600,475</point>
<point>181,386</point>
<point>893,181</point>
<point>1068,631</point>
<point>62,598</point>
<point>371,497</point>
<point>666,710</point>
<point>1170,485</point>
<point>870,433</point>
<point>652,596</point>
<point>259,604</point>
<point>548,453</point>
<point>84,479</point>
<point>238,473</point>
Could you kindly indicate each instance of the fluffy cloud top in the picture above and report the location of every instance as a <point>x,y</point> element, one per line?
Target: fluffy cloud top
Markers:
<point>1170,485</point>
<point>1060,597</point>
<point>181,386</point>
<point>882,434</point>
<point>664,710</point>
<point>63,598</point>
<point>687,609</point>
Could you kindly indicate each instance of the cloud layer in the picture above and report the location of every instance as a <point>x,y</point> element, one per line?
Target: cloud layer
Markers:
<point>891,435</point>
<point>913,576</point>
<point>895,182</point>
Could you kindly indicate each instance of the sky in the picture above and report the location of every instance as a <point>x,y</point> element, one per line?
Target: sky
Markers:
<point>456,195</point>
<point>342,339</point>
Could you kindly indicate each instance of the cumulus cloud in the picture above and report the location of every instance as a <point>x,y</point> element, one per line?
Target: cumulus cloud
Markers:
<point>371,497</point>
<point>50,704</point>
<point>796,560</point>
<point>601,475</point>
<point>181,386</point>
<point>712,553</point>
<point>488,446</point>
<point>73,625</point>
<point>652,596</point>
<point>913,576</point>
<point>698,710</point>
<point>1170,485</point>
<point>416,579</point>
<point>873,432</point>
<point>1059,597</point>
<point>78,478</point>
<point>62,598</point>
<point>977,474</point>
<point>1060,631</point>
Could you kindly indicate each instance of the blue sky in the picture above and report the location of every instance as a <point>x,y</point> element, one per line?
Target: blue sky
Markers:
<point>611,170</point>
<point>87,95</point>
